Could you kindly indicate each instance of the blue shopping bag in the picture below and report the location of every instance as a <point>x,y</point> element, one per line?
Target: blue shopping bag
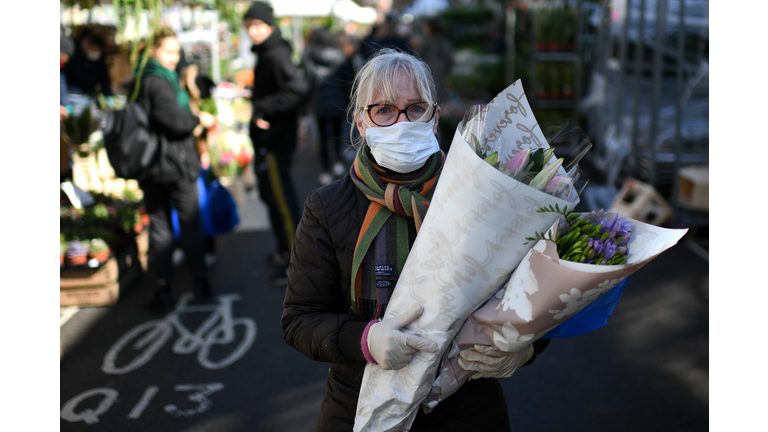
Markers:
<point>592,317</point>
<point>221,208</point>
<point>218,210</point>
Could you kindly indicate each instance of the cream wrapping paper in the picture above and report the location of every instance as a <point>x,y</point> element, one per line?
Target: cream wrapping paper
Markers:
<point>467,247</point>
<point>542,293</point>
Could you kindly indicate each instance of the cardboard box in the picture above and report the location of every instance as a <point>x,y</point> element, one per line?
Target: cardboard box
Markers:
<point>694,187</point>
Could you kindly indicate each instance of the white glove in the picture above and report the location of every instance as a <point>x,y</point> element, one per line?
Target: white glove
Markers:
<point>393,349</point>
<point>489,363</point>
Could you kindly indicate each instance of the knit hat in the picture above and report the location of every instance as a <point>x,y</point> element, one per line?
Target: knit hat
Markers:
<point>67,46</point>
<point>260,11</point>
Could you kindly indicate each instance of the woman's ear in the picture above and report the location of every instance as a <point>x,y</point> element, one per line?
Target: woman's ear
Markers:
<point>359,124</point>
<point>437,120</point>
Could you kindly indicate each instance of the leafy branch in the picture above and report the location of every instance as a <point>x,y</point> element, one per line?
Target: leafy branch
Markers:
<point>569,215</point>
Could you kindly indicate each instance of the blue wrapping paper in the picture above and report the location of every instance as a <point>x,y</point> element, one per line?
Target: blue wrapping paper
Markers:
<point>592,317</point>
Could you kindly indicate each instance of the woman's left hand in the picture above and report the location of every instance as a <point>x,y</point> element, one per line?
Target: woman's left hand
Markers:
<point>489,363</point>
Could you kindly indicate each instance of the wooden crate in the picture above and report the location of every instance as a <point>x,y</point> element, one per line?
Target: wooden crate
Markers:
<point>641,201</point>
<point>91,296</point>
<point>101,286</point>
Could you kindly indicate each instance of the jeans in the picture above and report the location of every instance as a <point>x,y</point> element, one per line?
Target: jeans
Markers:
<point>157,201</point>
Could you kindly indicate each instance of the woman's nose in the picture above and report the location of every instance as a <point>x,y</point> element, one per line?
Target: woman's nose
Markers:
<point>402,117</point>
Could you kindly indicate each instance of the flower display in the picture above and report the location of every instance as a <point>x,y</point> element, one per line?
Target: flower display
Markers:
<point>230,154</point>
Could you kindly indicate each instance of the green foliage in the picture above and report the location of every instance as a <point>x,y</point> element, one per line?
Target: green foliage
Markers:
<point>569,215</point>
<point>467,14</point>
<point>97,245</point>
<point>63,244</point>
<point>208,105</point>
<point>493,159</point>
<point>469,26</point>
<point>79,128</point>
<point>131,196</point>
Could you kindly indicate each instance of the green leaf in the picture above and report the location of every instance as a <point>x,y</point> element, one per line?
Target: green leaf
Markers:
<point>537,156</point>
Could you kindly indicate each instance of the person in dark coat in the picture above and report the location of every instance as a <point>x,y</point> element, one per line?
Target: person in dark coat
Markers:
<point>172,176</point>
<point>87,71</point>
<point>385,35</point>
<point>437,51</point>
<point>345,261</point>
<point>331,78</point>
<point>278,93</point>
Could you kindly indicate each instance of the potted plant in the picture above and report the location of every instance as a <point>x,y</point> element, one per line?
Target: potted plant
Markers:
<point>63,247</point>
<point>98,249</point>
<point>77,253</point>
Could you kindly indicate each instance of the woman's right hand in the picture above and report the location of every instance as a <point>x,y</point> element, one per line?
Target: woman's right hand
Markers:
<point>393,349</point>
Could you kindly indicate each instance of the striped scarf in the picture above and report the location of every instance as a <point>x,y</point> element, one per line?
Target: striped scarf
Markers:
<point>384,241</point>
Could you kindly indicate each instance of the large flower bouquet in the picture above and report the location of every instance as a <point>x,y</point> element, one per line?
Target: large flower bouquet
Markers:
<point>471,252</point>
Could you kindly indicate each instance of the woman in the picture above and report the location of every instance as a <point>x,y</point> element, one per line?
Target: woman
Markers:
<point>352,242</point>
<point>173,174</point>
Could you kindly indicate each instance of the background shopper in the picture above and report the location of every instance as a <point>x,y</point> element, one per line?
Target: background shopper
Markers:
<point>173,175</point>
<point>278,93</point>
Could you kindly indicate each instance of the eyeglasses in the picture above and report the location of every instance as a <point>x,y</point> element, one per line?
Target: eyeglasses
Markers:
<point>386,115</point>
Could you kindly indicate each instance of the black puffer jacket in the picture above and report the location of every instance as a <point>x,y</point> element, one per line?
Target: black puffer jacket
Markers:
<point>318,322</point>
<point>279,91</point>
<point>177,158</point>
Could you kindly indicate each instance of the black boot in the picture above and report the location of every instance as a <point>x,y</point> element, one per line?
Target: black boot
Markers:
<point>202,288</point>
<point>161,300</point>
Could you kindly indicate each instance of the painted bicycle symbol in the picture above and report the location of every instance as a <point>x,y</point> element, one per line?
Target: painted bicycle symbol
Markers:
<point>218,329</point>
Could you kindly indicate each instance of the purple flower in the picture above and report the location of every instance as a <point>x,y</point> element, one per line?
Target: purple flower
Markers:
<point>618,227</point>
<point>604,224</point>
<point>77,248</point>
<point>621,250</point>
<point>597,245</point>
<point>610,249</point>
<point>621,226</point>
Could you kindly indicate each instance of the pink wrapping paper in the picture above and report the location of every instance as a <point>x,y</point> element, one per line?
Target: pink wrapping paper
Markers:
<point>542,293</point>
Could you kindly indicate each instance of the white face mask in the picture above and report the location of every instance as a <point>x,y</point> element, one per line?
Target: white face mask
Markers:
<point>93,55</point>
<point>403,147</point>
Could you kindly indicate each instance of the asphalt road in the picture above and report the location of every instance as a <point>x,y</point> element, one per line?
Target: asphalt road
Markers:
<point>126,369</point>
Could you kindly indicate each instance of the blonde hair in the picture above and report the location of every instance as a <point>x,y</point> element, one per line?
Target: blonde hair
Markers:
<point>378,76</point>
